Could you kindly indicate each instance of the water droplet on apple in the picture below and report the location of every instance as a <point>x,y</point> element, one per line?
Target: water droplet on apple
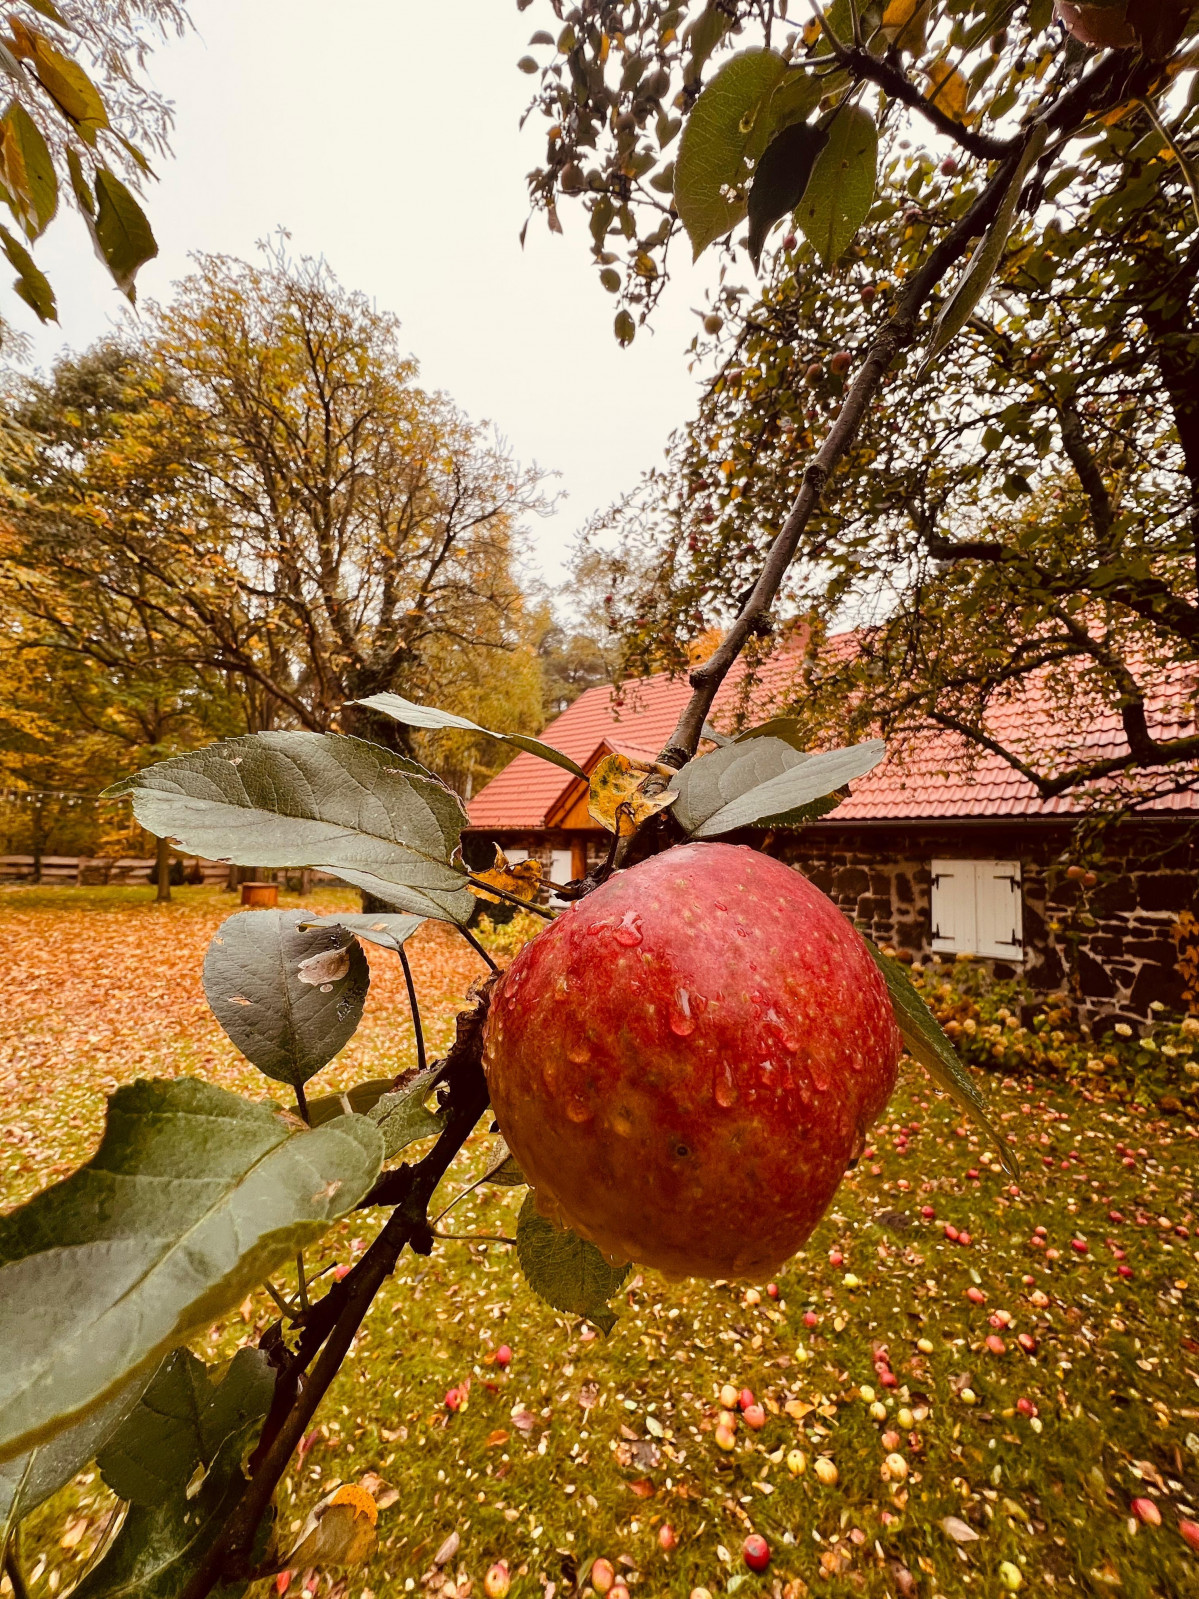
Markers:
<point>682,1022</point>
<point>629,931</point>
<point>578,1053</point>
<point>579,1108</point>
<point>725,1092</point>
<point>622,1123</point>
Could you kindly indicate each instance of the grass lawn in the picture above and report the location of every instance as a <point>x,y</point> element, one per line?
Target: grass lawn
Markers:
<point>1007,1467</point>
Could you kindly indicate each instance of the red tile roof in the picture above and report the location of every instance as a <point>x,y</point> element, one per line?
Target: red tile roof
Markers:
<point>942,777</point>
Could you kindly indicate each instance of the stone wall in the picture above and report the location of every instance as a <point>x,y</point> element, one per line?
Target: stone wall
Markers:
<point>1107,945</point>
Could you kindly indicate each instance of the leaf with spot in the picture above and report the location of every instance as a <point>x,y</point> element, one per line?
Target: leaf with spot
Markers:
<point>725,131</point>
<point>193,1197</point>
<point>503,1170</point>
<point>926,1042</point>
<point>780,179</point>
<point>412,715</point>
<point>840,191</point>
<point>181,1421</point>
<point>376,819</point>
<point>567,1271</point>
<point>388,932</point>
<point>356,1101</point>
<point>784,798</point>
<point>289,998</point>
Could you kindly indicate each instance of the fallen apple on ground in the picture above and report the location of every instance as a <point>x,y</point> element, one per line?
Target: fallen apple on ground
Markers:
<point>686,1061</point>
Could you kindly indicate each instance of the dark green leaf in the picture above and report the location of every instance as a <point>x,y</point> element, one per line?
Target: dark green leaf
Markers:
<point>402,1115</point>
<point>927,1043</point>
<point>313,799</point>
<point>30,1479</point>
<point>32,284</point>
<point>288,999</point>
<point>785,727</point>
<point>122,233</point>
<point>30,168</point>
<point>988,254</point>
<point>840,190</point>
<point>708,783</point>
<point>160,1547</point>
<point>565,1270</point>
<point>780,179</point>
<point>193,1196</point>
<point>181,1422</point>
<point>800,782</point>
<point>724,131</point>
<point>412,715</point>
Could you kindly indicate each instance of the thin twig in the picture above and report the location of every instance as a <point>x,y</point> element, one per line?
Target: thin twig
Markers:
<point>415,1009</point>
<point>301,1285</point>
<point>477,947</point>
<point>301,1101</point>
<point>513,899</point>
<point>477,1238</point>
<point>1185,164</point>
<point>286,1308</point>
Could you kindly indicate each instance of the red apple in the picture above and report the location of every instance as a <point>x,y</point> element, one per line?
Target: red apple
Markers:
<point>602,1575</point>
<point>503,1356</point>
<point>667,1537</point>
<point>755,1417</point>
<point>685,1062</point>
<point>497,1581</point>
<point>745,1399</point>
<point>756,1551</point>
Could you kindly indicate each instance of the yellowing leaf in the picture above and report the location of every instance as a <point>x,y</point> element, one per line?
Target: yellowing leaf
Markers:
<point>948,89</point>
<point>339,1532</point>
<point>617,799</point>
<point>520,879</point>
<point>69,86</point>
<point>904,23</point>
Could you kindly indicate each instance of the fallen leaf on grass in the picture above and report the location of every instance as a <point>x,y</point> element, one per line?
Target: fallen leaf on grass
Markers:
<point>495,1439</point>
<point>959,1531</point>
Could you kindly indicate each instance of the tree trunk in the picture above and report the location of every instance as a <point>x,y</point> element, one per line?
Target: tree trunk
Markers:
<point>39,839</point>
<point>162,870</point>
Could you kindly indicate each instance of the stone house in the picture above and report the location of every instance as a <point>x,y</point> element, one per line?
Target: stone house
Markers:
<point>948,854</point>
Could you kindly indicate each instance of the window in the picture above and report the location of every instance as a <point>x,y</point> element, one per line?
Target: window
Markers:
<point>977,909</point>
<point>559,871</point>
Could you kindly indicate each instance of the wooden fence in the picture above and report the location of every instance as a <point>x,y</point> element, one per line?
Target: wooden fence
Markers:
<point>103,871</point>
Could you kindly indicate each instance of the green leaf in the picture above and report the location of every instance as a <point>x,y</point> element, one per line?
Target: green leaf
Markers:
<point>363,1097</point>
<point>181,1421</point>
<point>702,37</point>
<point>193,1197</point>
<point>30,1479</point>
<point>32,284</point>
<point>374,818</point>
<point>926,1042</point>
<point>781,799</point>
<point>780,179</point>
<point>402,1115</point>
<point>83,189</point>
<point>567,1271</point>
<point>840,190</point>
<point>160,1547</point>
<point>988,254</point>
<point>412,715</point>
<point>710,782</point>
<point>29,169</point>
<point>503,1170</point>
<point>388,932</point>
<point>122,233</point>
<point>288,999</point>
<point>723,132</point>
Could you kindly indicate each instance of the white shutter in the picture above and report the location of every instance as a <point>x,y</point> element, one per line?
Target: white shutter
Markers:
<point>560,871</point>
<point>999,913</point>
<point>952,907</point>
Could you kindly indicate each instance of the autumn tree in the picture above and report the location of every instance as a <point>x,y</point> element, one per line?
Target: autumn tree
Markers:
<point>1020,506</point>
<point>263,488</point>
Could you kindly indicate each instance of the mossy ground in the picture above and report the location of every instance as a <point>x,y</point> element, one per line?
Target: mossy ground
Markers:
<point>586,1446</point>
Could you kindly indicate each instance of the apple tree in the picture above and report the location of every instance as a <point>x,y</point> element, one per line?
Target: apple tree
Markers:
<point>655,1025</point>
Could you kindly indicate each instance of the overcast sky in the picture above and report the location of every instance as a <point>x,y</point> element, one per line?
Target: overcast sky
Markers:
<point>384,135</point>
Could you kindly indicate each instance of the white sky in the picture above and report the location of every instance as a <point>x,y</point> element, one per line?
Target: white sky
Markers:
<point>383,134</point>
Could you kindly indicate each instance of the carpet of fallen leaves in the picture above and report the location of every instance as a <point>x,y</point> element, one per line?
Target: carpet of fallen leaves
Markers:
<point>967,1385</point>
